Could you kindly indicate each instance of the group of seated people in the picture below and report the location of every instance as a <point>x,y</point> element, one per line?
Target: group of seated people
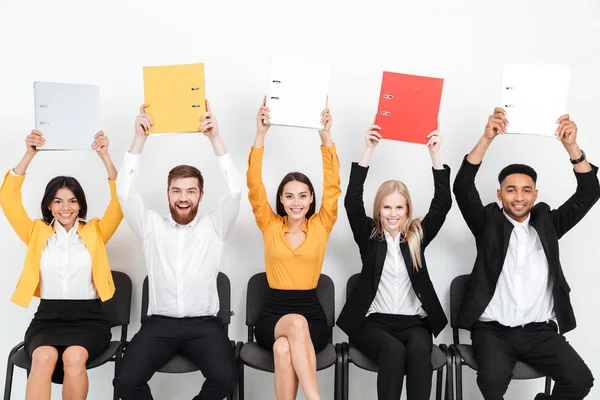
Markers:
<point>517,304</point>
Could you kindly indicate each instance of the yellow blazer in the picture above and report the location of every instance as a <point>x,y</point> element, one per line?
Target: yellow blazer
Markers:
<point>35,233</point>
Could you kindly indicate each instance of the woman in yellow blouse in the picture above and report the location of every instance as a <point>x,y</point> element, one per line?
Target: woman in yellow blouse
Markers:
<point>292,321</point>
<point>67,267</point>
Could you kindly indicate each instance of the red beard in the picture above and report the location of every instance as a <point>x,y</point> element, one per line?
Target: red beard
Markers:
<point>183,219</point>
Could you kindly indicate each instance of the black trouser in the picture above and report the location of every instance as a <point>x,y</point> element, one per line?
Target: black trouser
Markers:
<point>498,347</point>
<point>202,340</point>
<point>401,344</point>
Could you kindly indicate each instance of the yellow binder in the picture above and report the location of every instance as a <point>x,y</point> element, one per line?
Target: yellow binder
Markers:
<point>175,96</point>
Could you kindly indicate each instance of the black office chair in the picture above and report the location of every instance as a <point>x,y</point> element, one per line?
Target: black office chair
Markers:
<point>440,358</point>
<point>463,353</point>
<point>180,364</point>
<point>117,311</point>
<point>252,355</point>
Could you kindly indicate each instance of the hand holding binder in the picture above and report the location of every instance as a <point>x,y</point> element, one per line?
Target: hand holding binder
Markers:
<point>210,125</point>
<point>263,118</point>
<point>175,97</point>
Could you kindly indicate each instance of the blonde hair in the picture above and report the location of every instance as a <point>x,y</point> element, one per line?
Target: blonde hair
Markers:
<point>411,230</point>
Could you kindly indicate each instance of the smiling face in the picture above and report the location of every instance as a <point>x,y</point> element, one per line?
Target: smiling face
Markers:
<point>393,212</point>
<point>184,197</point>
<point>296,199</point>
<point>518,196</point>
<point>65,208</point>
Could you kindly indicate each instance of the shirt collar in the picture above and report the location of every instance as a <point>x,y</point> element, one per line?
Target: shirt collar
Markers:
<point>389,238</point>
<point>524,224</point>
<point>60,230</point>
<point>286,229</point>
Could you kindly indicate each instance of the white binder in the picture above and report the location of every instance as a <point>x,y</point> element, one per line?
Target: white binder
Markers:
<point>534,97</point>
<point>67,114</point>
<point>297,92</point>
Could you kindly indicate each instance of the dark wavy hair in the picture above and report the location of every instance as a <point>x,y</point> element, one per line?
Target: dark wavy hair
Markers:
<point>300,177</point>
<point>50,193</point>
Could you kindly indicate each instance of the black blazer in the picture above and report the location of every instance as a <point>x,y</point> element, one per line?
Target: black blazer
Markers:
<point>492,235</point>
<point>374,250</point>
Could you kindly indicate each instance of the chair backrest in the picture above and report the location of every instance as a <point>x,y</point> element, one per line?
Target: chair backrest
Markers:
<point>224,293</point>
<point>458,288</point>
<point>118,308</point>
<point>352,281</point>
<point>258,290</point>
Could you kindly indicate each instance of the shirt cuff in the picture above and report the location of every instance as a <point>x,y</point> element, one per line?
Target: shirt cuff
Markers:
<point>13,173</point>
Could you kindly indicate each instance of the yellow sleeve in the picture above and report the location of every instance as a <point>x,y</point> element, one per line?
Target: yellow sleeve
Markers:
<point>256,190</point>
<point>12,205</point>
<point>331,187</point>
<point>113,215</point>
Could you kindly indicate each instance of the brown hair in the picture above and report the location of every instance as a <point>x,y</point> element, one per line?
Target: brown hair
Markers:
<point>186,171</point>
<point>411,231</point>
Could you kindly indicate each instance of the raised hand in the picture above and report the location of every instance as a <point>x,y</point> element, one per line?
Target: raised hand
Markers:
<point>210,125</point>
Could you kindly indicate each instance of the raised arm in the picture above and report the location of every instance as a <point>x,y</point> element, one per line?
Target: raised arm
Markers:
<point>442,198</point>
<point>10,191</point>
<point>467,196</point>
<point>133,207</point>
<point>588,189</point>
<point>360,223</point>
<point>256,189</point>
<point>113,215</point>
<point>228,206</point>
<point>331,174</point>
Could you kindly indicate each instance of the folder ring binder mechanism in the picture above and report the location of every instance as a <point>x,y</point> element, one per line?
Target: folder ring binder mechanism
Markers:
<point>408,106</point>
<point>176,97</point>
<point>297,91</point>
<point>534,96</point>
<point>67,114</point>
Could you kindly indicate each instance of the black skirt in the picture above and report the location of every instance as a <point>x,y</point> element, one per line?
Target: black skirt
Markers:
<point>283,302</point>
<point>64,323</point>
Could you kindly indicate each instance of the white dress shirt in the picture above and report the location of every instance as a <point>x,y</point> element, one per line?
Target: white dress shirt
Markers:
<point>182,260</point>
<point>395,294</point>
<point>524,289</point>
<point>66,267</point>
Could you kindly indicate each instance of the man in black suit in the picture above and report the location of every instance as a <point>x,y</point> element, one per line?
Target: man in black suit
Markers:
<point>518,297</point>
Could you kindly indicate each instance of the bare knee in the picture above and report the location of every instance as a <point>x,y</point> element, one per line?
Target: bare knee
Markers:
<point>74,359</point>
<point>44,359</point>
<point>296,327</point>
<point>281,351</point>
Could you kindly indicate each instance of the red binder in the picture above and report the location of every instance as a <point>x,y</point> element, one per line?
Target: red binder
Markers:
<point>408,106</point>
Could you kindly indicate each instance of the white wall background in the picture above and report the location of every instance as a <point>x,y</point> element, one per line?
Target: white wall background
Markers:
<point>464,41</point>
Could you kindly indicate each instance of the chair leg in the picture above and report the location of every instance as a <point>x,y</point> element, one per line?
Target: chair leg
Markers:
<point>339,370</point>
<point>458,366</point>
<point>438,384</point>
<point>449,377</point>
<point>548,387</point>
<point>240,394</point>
<point>10,367</point>
<point>345,371</point>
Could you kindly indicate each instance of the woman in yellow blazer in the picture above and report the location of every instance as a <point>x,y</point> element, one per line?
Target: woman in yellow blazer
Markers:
<point>67,267</point>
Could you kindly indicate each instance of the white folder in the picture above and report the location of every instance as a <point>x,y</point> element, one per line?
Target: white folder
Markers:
<point>67,114</point>
<point>297,91</point>
<point>534,97</point>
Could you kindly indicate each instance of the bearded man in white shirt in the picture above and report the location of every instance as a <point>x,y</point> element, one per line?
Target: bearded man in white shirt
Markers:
<point>182,252</point>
